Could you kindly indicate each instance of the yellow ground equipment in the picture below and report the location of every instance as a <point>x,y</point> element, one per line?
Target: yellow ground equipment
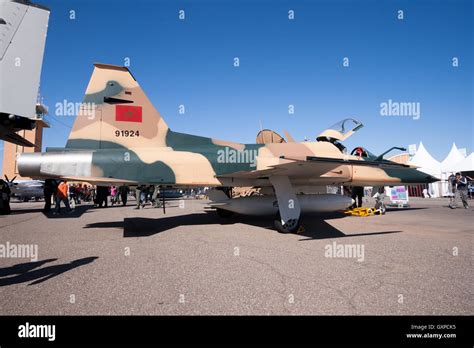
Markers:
<point>363,211</point>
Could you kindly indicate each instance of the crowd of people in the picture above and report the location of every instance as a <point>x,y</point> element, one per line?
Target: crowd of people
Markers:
<point>118,195</point>
<point>70,195</point>
<point>74,194</point>
<point>147,195</point>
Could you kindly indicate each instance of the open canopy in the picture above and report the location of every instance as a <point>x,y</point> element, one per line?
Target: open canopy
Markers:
<point>341,130</point>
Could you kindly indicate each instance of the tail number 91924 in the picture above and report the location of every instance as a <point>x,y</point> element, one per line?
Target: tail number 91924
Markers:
<point>127,133</point>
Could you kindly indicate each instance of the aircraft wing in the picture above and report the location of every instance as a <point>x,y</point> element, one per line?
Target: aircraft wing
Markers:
<point>312,167</point>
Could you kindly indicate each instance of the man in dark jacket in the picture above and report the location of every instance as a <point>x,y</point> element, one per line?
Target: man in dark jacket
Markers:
<point>5,197</point>
<point>49,189</point>
<point>123,191</point>
<point>357,195</point>
<point>461,190</point>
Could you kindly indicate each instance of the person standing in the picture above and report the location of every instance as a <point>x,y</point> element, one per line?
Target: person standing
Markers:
<point>102,193</point>
<point>62,195</point>
<point>113,195</point>
<point>93,193</point>
<point>5,197</point>
<point>357,195</point>
<point>461,191</point>
<point>452,189</point>
<point>145,194</point>
<point>123,191</point>
<point>72,194</point>
<point>79,193</point>
<point>155,197</point>
<point>138,196</point>
<point>49,189</point>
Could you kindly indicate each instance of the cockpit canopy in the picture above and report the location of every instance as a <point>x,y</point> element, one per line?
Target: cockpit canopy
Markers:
<point>267,136</point>
<point>340,131</point>
<point>363,152</point>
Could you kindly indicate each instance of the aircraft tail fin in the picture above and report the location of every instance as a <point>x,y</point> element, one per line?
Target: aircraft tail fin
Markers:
<point>116,113</point>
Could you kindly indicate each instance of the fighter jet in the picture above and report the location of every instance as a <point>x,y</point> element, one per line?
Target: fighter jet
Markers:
<point>120,138</point>
<point>23,27</point>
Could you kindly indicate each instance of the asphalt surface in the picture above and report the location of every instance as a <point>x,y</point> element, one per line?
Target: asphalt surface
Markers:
<point>119,260</point>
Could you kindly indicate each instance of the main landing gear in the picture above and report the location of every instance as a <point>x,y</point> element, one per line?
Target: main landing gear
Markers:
<point>287,219</point>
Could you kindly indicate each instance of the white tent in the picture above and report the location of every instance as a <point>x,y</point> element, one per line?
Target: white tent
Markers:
<point>425,161</point>
<point>448,167</point>
<point>452,159</point>
<point>465,165</point>
<point>428,164</point>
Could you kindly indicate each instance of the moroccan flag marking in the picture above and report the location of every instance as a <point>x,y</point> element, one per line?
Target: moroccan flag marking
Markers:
<point>128,113</point>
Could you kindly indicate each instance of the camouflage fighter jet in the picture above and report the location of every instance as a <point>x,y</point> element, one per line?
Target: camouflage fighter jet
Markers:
<point>120,138</point>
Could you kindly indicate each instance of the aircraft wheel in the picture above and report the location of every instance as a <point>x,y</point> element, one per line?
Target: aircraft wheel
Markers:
<point>224,213</point>
<point>291,226</point>
<point>381,206</point>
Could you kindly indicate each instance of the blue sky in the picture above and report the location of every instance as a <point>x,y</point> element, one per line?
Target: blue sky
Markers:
<point>282,62</point>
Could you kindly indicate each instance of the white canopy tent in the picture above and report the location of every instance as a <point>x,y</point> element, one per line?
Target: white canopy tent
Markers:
<point>449,166</point>
<point>465,165</point>
<point>425,161</point>
<point>430,165</point>
<point>454,157</point>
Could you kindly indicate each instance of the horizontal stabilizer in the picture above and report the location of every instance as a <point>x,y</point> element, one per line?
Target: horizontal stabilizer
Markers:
<point>217,195</point>
<point>22,42</point>
<point>16,139</point>
<point>218,204</point>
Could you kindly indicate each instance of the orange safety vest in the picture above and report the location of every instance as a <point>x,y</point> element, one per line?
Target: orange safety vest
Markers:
<point>62,190</point>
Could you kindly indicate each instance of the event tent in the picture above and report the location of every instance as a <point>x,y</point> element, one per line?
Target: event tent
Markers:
<point>452,159</point>
<point>425,161</point>
<point>465,165</point>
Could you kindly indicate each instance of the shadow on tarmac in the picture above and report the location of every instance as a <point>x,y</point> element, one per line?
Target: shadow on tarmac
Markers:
<point>76,213</point>
<point>315,225</point>
<point>144,227</point>
<point>26,272</point>
<point>78,210</point>
<point>318,228</point>
<point>329,232</point>
<point>391,210</point>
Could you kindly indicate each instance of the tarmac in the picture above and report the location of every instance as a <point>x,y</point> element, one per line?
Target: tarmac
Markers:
<point>121,261</point>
